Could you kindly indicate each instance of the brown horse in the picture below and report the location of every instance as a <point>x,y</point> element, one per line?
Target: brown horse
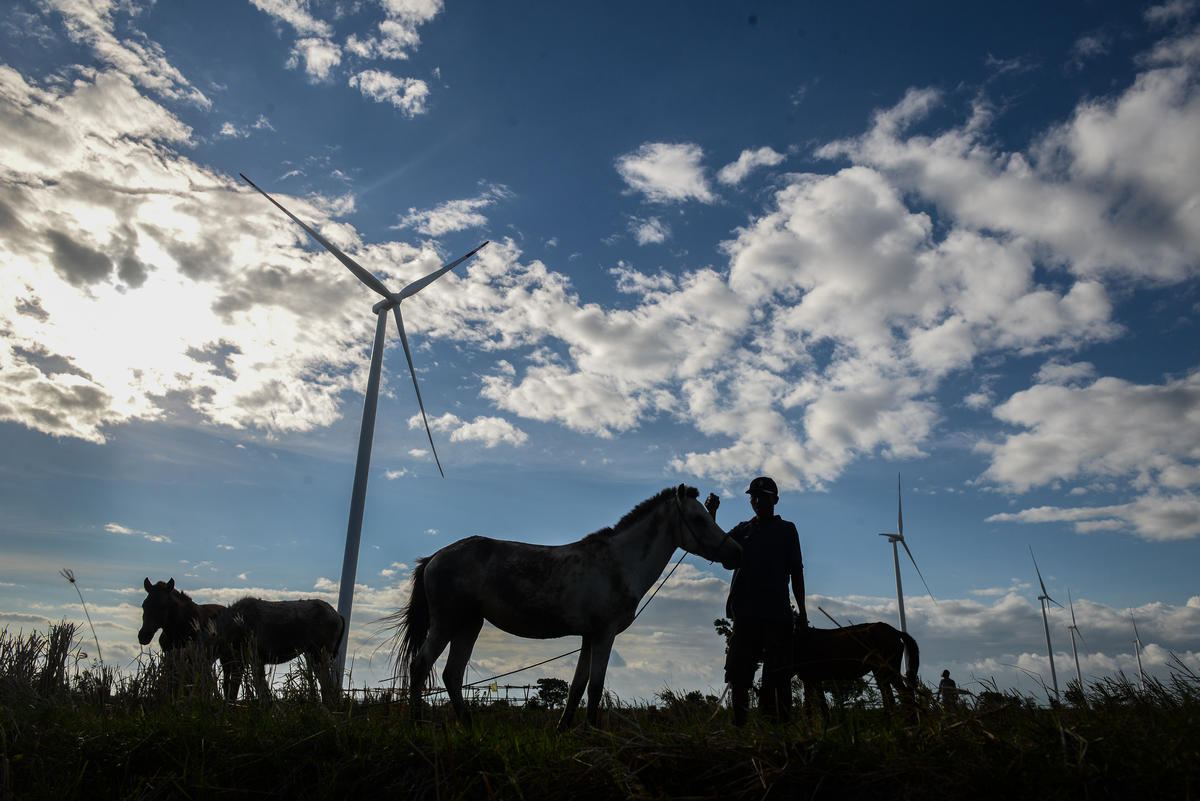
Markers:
<point>588,588</point>
<point>181,619</point>
<point>851,652</point>
<point>255,633</point>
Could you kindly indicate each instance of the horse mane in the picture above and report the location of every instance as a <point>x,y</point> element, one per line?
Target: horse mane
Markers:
<point>637,513</point>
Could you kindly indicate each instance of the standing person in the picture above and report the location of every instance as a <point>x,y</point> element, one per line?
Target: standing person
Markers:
<point>758,603</point>
<point>947,689</point>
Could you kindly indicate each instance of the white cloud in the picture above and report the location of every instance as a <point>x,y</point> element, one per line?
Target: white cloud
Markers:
<point>666,173</point>
<point>748,161</point>
<point>1111,427</point>
<point>1119,174</point>
<point>651,231</point>
<point>319,57</point>
<point>409,95</point>
<point>1148,434</point>
<point>490,431</point>
<point>143,61</point>
<point>455,215</point>
<point>117,528</point>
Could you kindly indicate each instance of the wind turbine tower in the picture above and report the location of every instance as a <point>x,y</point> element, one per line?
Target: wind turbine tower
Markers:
<point>1044,598</point>
<point>1137,650</point>
<point>1074,629</point>
<point>391,302</point>
<point>897,540</point>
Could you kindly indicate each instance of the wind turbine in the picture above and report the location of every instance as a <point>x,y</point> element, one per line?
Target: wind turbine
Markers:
<point>1137,650</point>
<point>1074,629</point>
<point>391,301</point>
<point>896,540</point>
<point>1043,598</point>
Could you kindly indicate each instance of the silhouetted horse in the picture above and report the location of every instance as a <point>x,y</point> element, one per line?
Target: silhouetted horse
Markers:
<point>256,633</point>
<point>589,588</point>
<point>851,652</point>
<point>181,619</point>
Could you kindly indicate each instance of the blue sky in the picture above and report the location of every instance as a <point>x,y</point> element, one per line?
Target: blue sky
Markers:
<point>829,243</point>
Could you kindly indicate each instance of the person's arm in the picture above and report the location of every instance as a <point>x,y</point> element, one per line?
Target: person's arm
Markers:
<point>798,580</point>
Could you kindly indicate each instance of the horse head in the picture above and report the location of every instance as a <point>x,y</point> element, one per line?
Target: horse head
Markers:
<point>156,609</point>
<point>699,532</point>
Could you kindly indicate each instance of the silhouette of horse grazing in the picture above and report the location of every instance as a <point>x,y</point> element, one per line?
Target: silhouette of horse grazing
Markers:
<point>255,633</point>
<point>590,588</point>
<point>851,652</point>
<point>181,619</point>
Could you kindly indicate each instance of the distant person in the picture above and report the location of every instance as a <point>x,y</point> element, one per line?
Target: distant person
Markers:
<point>947,690</point>
<point>758,604</point>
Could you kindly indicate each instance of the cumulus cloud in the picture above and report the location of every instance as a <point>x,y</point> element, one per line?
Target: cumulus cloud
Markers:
<point>1118,174</point>
<point>396,36</point>
<point>94,25</point>
<point>1108,428</point>
<point>410,95</point>
<point>489,431</point>
<point>455,215</point>
<point>666,173</point>
<point>650,231</point>
<point>748,161</point>
<point>318,56</point>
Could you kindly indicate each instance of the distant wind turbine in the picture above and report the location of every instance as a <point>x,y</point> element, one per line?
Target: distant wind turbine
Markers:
<point>1137,649</point>
<point>1043,598</point>
<point>1074,629</point>
<point>898,539</point>
<point>391,301</point>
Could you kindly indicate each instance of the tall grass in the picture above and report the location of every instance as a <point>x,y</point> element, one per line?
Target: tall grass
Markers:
<point>162,732</point>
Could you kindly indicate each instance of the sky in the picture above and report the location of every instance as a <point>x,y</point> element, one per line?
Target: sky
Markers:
<point>837,244</point>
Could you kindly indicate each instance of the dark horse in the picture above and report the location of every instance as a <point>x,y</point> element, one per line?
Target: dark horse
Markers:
<point>181,619</point>
<point>257,633</point>
<point>589,588</point>
<point>851,652</point>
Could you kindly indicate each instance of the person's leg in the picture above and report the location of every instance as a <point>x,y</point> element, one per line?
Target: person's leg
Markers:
<point>740,663</point>
<point>777,671</point>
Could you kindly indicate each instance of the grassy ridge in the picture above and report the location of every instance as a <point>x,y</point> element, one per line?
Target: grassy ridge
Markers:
<point>70,731</point>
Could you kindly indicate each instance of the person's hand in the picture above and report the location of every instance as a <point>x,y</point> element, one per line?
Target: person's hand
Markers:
<point>711,503</point>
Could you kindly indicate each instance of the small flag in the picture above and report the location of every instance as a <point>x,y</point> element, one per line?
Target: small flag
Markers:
<point>494,687</point>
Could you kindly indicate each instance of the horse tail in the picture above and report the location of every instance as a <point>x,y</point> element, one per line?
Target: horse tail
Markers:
<point>914,658</point>
<point>412,622</point>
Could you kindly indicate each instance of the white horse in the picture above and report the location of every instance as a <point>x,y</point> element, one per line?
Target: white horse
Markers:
<point>589,588</point>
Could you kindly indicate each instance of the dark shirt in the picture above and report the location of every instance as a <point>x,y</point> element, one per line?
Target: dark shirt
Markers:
<point>770,558</point>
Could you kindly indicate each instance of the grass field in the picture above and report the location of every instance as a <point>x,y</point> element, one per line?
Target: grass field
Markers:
<point>70,730</point>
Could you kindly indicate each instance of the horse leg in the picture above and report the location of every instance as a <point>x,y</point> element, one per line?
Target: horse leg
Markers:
<point>578,682</point>
<point>261,689</point>
<point>231,676</point>
<point>883,680</point>
<point>422,663</point>
<point>456,667</point>
<point>320,662</point>
<point>601,649</point>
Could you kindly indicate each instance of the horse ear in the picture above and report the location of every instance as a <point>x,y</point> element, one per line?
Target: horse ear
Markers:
<point>171,583</point>
<point>146,581</point>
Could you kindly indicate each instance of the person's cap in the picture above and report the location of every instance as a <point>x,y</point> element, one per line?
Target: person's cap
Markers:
<point>763,486</point>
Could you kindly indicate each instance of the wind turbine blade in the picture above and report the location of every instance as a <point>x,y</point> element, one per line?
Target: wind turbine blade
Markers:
<point>360,272</point>
<point>1072,603</point>
<point>421,283</point>
<point>1039,574</point>
<point>412,371</point>
<point>900,515</point>
<point>914,564</point>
